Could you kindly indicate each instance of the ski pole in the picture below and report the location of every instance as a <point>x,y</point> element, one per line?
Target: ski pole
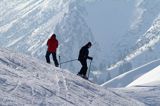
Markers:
<point>68,61</point>
<point>89,68</point>
<point>60,61</point>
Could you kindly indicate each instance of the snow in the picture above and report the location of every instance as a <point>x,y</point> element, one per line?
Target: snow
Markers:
<point>125,79</point>
<point>145,88</point>
<point>25,80</point>
<point>151,76</point>
<point>146,93</point>
<point>125,35</point>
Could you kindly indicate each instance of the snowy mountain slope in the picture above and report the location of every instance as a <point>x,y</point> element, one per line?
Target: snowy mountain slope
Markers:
<point>146,36</point>
<point>146,88</point>
<point>27,81</point>
<point>26,25</point>
<point>146,93</point>
<point>128,33</point>
<point>151,76</point>
<point>127,78</point>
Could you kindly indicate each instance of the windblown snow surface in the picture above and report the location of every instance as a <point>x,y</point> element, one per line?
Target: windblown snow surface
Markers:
<point>26,81</point>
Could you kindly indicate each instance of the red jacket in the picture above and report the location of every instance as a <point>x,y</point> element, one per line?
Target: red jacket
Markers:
<point>52,44</point>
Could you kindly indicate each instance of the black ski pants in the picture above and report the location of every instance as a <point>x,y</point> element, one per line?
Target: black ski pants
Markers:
<point>54,58</point>
<point>84,68</point>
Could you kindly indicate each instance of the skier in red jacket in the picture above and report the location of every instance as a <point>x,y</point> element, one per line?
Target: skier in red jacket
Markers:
<point>52,44</point>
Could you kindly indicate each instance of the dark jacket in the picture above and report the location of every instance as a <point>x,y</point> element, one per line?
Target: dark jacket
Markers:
<point>52,44</point>
<point>83,53</point>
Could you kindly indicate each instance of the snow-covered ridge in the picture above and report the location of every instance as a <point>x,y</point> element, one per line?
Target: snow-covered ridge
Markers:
<point>149,40</point>
<point>27,81</point>
<point>127,78</point>
<point>141,43</point>
<point>150,77</point>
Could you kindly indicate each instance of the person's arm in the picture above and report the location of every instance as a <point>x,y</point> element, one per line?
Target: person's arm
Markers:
<point>91,58</point>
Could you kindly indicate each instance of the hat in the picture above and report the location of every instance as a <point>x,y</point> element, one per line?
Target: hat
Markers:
<point>54,35</point>
<point>89,43</point>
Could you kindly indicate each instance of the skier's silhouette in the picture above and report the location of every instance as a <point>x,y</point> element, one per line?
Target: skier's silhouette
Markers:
<point>83,56</point>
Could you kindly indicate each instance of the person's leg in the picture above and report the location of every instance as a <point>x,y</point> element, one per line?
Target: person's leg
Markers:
<point>47,57</point>
<point>80,72</point>
<point>55,59</point>
<point>84,68</point>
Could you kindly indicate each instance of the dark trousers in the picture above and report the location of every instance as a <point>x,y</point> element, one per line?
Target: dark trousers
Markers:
<point>84,68</point>
<point>54,58</point>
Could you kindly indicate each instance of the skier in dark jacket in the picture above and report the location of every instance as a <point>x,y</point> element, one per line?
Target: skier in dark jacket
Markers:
<point>52,44</point>
<point>83,56</point>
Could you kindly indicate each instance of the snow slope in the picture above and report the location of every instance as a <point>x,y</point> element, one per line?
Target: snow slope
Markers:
<point>127,78</point>
<point>144,88</point>
<point>27,81</point>
<point>146,93</point>
<point>151,76</point>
